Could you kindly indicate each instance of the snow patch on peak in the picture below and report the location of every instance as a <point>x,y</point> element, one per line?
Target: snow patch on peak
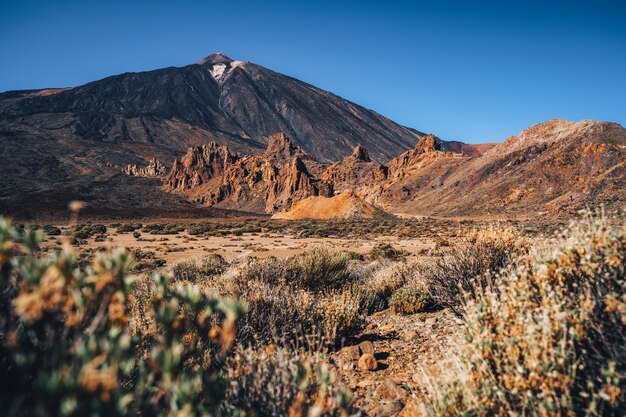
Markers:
<point>217,71</point>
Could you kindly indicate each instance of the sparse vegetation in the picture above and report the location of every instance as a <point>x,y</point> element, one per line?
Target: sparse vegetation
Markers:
<point>540,340</point>
<point>197,269</point>
<point>311,293</point>
<point>548,340</point>
<point>320,269</point>
<point>411,299</point>
<point>472,265</point>
<point>281,382</point>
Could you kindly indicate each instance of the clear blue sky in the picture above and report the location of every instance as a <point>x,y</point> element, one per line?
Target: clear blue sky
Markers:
<point>468,70</point>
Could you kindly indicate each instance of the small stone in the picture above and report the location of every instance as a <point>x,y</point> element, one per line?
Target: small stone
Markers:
<point>410,335</point>
<point>430,321</point>
<point>366,347</point>
<point>353,352</point>
<point>389,390</point>
<point>386,328</point>
<point>368,362</point>
<point>411,409</point>
<point>365,383</point>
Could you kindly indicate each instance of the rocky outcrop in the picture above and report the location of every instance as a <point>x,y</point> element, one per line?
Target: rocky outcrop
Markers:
<point>198,166</point>
<point>280,147</point>
<point>361,154</point>
<point>154,169</point>
<point>428,148</point>
<point>264,183</point>
<point>354,171</point>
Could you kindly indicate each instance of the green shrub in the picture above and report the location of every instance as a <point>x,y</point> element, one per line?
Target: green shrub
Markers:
<point>51,230</point>
<point>66,346</point>
<point>127,228</point>
<point>410,299</point>
<point>85,231</point>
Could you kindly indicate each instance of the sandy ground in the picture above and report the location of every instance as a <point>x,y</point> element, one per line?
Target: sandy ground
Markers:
<point>176,248</point>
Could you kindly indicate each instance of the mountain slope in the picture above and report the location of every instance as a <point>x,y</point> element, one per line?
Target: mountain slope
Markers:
<point>553,167</point>
<point>60,142</point>
<point>342,206</point>
<point>230,102</point>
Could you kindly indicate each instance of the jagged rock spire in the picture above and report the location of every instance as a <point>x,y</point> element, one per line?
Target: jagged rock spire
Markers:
<point>361,154</point>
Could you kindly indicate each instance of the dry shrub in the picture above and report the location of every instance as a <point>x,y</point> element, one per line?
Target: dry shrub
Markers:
<point>384,281</point>
<point>275,381</point>
<point>283,302</point>
<point>551,341</point>
<point>339,315</point>
<point>274,271</point>
<point>384,250</point>
<point>472,264</point>
<point>198,269</point>
<point>273,312</point>
<point>320,268</point>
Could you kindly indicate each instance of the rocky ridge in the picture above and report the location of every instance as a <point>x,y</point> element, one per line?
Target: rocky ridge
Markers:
<point>154,169</point>
<point>548,168</point>
<point>263,183</point>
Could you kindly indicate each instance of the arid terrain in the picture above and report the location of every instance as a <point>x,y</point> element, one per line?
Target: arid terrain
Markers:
<point>220,239</point>
<point>391,328</point>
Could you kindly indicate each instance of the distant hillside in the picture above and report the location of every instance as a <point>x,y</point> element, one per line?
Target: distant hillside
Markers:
<point>550,168</point>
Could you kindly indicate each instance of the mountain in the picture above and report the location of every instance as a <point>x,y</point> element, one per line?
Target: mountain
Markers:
<point>221,135</point>
<point>74,143</point>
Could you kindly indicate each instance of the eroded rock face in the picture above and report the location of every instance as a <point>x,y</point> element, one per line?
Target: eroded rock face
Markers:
<point>280,147</point>
<point>284,174</point>
<point>199,165</point>
<point>154,169</point>
<point>427,148</point>
<point>551,167</point>
<point>354,171</point>
<point>267,183</point>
